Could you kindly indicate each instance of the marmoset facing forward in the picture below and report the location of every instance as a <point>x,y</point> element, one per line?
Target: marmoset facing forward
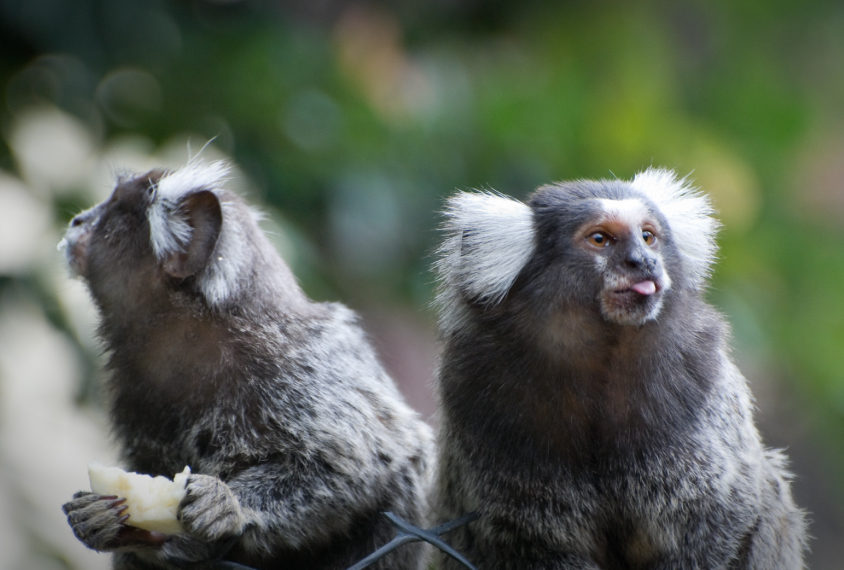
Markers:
<point>296,436</point>
<point>590,410</point>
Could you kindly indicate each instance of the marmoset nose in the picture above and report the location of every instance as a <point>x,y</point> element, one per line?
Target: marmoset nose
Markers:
<point>640,260</point>
<point>83,217</point>
<point>634,260</point>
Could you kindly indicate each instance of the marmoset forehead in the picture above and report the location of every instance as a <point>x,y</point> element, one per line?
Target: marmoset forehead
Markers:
<point>630,212</point>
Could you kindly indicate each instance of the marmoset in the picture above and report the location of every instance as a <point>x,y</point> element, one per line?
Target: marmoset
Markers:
<point>296,437</point>
<point>589,408</point>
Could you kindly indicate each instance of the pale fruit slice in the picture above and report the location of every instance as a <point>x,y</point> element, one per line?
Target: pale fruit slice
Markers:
<point>152,501</point>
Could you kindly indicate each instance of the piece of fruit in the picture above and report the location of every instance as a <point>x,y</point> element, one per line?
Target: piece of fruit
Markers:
<point>153,501</point>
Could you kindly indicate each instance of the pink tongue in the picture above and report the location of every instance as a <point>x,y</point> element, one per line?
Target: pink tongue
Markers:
<point>645,288</point>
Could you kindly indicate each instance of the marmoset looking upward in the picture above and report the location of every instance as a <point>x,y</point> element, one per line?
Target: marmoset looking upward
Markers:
<point>590,411</point>
<point>296,436</point>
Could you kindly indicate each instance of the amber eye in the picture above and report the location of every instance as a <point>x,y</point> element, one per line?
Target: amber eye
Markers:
<point>599,239</point>
<point>649,237</point>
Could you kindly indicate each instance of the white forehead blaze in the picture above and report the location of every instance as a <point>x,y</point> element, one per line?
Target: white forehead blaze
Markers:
<point>631,212</point>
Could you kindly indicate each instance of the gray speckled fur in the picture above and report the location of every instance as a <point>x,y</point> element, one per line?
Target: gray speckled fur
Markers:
<point>588,444</point>
<point>296,436</point>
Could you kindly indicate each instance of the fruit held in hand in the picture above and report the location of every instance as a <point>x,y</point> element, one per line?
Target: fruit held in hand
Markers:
<point>153,501</point>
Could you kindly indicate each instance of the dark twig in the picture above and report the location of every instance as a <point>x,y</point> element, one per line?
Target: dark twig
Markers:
<point>408,533</point>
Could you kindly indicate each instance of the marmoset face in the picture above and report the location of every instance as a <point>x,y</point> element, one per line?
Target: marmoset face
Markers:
<point>108,246</point>
<point>625,242</point>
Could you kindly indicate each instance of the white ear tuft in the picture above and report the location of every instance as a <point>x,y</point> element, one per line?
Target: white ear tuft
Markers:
<point>489,240</point>
<point>223,279</point>
<point>169,229</point>
<point>689,215</point>
<point>195,175</point>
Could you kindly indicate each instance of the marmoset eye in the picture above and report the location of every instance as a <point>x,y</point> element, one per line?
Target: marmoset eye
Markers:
<point>600,239</point>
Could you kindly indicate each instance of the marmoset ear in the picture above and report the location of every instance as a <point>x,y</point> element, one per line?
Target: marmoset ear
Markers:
<point>489,240</point>
<point>201,213</point>
<point>690,216</point>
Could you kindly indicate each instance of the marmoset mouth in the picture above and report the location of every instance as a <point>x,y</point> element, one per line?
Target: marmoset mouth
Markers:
<point>637,303</point>
<point>645,288</point>
<point>75,251</point>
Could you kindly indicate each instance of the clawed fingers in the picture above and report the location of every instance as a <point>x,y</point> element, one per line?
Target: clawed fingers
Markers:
<point>99,521</point>
<point>83,499</point>
<point>209,510</point>
<point>96,520</point>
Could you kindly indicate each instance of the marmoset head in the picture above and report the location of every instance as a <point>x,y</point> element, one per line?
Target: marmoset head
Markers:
<point>170,232</point>
<point>618,247</point>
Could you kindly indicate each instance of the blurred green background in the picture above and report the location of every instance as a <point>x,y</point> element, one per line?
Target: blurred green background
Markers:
<point>350,123</point>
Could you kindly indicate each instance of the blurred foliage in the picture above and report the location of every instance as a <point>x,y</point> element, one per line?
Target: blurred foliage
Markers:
<point>355,120</point>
